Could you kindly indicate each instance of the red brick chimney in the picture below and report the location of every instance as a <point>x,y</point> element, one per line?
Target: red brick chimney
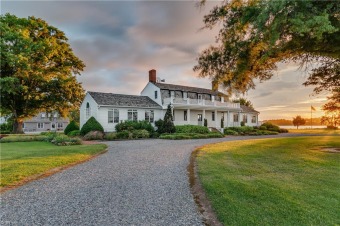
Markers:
<point>152,76</point>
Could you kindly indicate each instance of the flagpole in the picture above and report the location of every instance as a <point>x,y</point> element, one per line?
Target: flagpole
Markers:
<point>311,117</point>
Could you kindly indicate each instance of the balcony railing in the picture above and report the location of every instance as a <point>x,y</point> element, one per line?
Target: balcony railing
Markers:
<point>202,102</point>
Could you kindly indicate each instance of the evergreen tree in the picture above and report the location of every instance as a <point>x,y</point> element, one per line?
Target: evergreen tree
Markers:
<point>168,124</point>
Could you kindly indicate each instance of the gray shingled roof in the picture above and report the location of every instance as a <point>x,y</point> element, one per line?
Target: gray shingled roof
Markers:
<point>111,99</point>
<point>248,109</point>
<point>188,89</point>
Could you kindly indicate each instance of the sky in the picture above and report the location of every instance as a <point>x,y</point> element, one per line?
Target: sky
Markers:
<point>120,41</point>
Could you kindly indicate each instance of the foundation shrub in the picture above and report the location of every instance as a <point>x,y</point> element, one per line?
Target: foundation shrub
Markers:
<point>140,133</point>
<point>110,136</point>
<point>132,125</point>
<point>71,127</point>
<point>94,135</point>
<point>192,129</point>
<point>91,125</point>
<point>74,133</point>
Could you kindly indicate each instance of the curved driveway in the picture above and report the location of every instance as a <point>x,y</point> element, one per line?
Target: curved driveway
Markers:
<point>140,182</point>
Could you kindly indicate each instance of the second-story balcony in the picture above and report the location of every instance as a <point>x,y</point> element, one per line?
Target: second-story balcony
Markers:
<point>199,102</point>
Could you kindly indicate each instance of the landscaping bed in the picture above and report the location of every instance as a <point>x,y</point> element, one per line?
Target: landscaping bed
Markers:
<point>279,181</point>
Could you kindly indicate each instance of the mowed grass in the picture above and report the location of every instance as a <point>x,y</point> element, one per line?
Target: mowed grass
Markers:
<point>279,181</point>
<point>20,160</point>
<point>316,131</point>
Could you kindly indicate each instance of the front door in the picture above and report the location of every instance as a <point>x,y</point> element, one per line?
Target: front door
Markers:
<point>52,126</point>
<point>199,119</point>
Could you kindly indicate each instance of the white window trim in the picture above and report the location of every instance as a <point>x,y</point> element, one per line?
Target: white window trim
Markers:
<point>38,123</point>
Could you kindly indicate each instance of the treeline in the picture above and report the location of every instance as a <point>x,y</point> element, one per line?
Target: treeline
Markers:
<point>286,122</point>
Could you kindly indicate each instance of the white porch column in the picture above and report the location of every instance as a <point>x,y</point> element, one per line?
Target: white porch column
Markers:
<point>228,118</point>
<point>216,119</point>
<point>239,119</point>
<point>188,117</point>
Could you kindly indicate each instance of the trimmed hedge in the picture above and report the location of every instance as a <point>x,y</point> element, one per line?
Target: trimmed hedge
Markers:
<point>71,127</point>
<point>184,136</point>
<point>23,138</point>
<point>192,129</point>
<point>132,125</point>
<point>91,125</point>
<point>74,133</point>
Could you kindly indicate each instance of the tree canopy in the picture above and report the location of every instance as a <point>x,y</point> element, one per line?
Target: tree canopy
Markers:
<point>298,121</point>
<point>257,34</point>
<point>38,69</point>
<point>244,101</point>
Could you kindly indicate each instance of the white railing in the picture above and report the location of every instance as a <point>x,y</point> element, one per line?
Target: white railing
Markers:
<point>202,102</point>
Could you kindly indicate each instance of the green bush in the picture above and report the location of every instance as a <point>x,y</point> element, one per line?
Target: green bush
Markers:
<point>271,127</point>
<point>243,130</point>
<point>140,133</point>
<point>243,123</point>
<point>283,130</point>
<point>230,132</point>
<point>124,135</point>
<point>191,129</point>
<point>91,125</point>
<point>71,127</point>
<point>184,136</point>
<point>7,126</point>
<point>215,135</point>
<point>5,132</point>
<point>263,128</point>
<point>110,136</point>
<point>205,122</point>
<point>63,140</point>
<point>154,135</point>
<point>23,138</point>
<point>94,135</point>
<point>74,133</point>
<point>132,125</point>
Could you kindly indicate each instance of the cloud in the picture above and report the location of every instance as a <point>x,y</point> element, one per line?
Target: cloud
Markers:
<point>120,41</point>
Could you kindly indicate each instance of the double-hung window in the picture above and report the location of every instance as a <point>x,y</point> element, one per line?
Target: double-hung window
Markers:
<point>149,116</point>
<point>156,94</point>
<point>60,125</point>
<point>133,115</point>
<point>245,119</point>
<point>253,119</point>
<point>40,125</point>
<point>185,115</point>
<point>110,116</point>
<point>235,117</point>
<point>213,116</point>
<point>113,116</point>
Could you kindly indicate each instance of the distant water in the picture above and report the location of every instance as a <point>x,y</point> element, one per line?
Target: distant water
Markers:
<point>303,127</point>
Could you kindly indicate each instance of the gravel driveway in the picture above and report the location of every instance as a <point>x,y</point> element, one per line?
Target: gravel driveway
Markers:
<point>141,182</point>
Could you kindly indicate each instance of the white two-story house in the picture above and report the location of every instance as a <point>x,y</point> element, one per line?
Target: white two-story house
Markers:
<point>190,106</point>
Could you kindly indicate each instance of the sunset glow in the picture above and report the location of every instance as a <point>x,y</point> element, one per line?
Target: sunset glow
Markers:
<point>120,41</point>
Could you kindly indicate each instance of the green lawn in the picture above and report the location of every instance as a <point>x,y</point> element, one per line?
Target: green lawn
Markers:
<point>279,181</point>
<point>316,131</point>
<point>20,160</point>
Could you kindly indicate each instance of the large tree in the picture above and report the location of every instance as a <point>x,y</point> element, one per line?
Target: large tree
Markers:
<point>298,121</point>
<point>38,69</point>
<point>243,101</point>
<point>257,34</point>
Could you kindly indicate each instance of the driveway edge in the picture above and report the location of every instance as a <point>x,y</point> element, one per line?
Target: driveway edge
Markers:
<point>201,200</point>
